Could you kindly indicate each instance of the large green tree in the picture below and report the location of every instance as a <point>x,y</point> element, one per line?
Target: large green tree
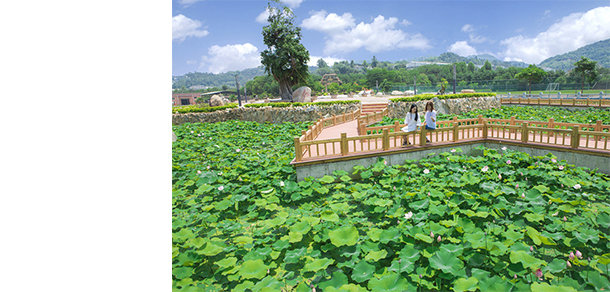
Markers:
<point>285,57</point>
<point>585,68</point>
<point>531,74</point>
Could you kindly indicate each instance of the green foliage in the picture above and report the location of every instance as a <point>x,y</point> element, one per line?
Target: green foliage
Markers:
<point>295,104</point>
<point>200,109</point>
<point>585,68</point>
<point>531,74</point>
<point>444,96</point>
<point>285,57</point>
<point>245,223</point>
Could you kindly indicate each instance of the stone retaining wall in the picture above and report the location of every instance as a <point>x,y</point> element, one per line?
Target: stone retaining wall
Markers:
<point>267,114</point>
<point>444,106</point>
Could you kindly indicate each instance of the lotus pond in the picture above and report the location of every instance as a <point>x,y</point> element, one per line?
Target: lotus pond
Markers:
<point>502,221</point>
<point>583,116</point>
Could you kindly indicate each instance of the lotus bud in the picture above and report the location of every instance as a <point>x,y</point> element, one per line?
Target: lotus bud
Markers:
<point>539,273</point>
<point>578,254</point>
<point>431,234</point>
<point>523,195</point>
<point>517,186</point>
<point>565,219</point>
<point>571,256</point>
<point>515,276</point>
<point>420,276</point>
<point>569,264</point>
<point>438,238</point>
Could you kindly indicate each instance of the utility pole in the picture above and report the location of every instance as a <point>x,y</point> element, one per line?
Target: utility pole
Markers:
<point>245,94</point>
<point>454,82</point>
<point>376,86</point>
<point>238,97</point>
<point>414,85</point>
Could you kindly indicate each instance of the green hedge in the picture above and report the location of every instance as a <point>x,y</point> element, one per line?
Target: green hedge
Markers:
<point>197,109</point>
<point>289,104</point>
<point>445,96</point>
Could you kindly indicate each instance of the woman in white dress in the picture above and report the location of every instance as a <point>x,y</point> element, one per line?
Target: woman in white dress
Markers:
<point>413,121</point>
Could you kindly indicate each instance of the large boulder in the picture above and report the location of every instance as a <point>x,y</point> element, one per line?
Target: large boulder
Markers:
<point>439,106</point>
<point>396,92</point>
<point>174,138</point>
<point>302,94</point>
<point>216,100</point>
<point>467,90</point>
<point>379,93</point>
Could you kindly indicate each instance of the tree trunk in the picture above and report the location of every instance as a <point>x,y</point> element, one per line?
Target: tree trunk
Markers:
<point>582,85</point>
<point>285,90</point>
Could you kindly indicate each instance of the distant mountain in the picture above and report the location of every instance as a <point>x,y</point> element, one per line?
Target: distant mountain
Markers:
<point>198,80</point>
<point>449,57</point>
<point>599,52</point>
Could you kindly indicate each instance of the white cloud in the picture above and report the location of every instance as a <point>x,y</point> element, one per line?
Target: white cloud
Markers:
<point>231,58</point>
<point>546,14</point>
<point>329,23</point>
<point>568,34</point>
<point>330,61</point>
<point>262,18</point>
<point>183,27</point>
<point>463,49</point>
<point>477,39</point>
<point>292,3</point>
<point>191,62</point>
<point>343,35</point>
<point>467,28</point>
<point>186,3</point>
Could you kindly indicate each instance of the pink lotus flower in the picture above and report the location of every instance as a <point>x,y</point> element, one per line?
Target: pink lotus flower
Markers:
<point>569,264</point>
<point>281,183</point>
<point>561,167</point>
<point>523,195</point>
<point>565,219</point>
<point>553,160</point>
<point>237,150</point>
<point>577,186</point>
<point>452,150</point>
<point>578,254</point>
<point>199,172</point>
<point>426,171</point>
<point>517,186</point>
<point>220,188</point>
<point>532,248</point>
<point>409,215</point>
<point>504,148</point>
<point>508,162</point>
<point>431,234</point>
<point>539,273</point>
<point>499,176</point>
<point>438,238</point>
<point>208,167</point>
<point>485,168</point>
<point>385,162</point>
<point>571,256</point>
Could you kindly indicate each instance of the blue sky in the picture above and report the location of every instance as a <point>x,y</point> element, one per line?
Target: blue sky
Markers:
<point>220,36</point>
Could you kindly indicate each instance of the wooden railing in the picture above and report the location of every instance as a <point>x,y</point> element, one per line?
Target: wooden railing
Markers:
<point>542,133</point>
<point>371,118</point>
<point>582,102</point>
<point>314,130</point>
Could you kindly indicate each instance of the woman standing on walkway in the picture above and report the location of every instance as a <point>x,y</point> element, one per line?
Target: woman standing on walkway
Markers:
<point>430,117</point>
<point>413,121</point>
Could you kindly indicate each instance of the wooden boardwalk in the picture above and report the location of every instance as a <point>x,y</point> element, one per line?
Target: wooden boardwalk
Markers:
<point>359,145</point>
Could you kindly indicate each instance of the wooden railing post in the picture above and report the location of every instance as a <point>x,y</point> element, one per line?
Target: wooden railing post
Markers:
<point>455,130</point>
<point>512,123</point>
<point>297,149</point>
<point>422,136</point>
<point>524,132</point>
<point>598,128</point>
<point>304,135</point>
<point>362,128</point>
<point>334,120</point>
<point>484,129</point>
<point>344,146</point>
<point>575,137</point>
<point>396,126</point>
<point>385,142</point>
<point>551,126</point>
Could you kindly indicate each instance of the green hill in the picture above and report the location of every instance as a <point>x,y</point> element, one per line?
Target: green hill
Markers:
<point>449,57</point>
<point>216,80</point>
<point>599,52</point>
